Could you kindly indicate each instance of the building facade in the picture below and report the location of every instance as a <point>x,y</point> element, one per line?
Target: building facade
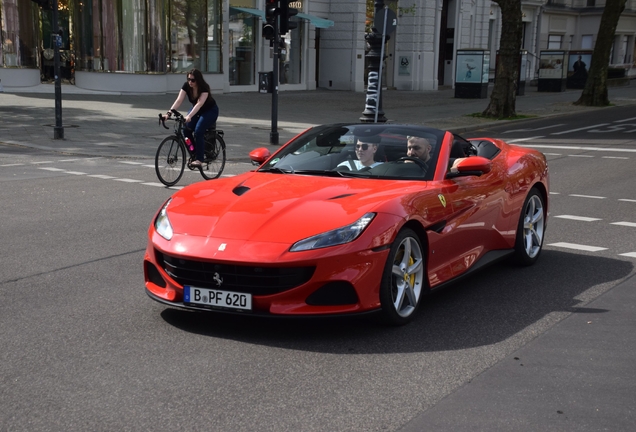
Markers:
<point>147,46</point>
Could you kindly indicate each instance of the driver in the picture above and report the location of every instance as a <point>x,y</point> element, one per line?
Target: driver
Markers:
<point>419,147</point>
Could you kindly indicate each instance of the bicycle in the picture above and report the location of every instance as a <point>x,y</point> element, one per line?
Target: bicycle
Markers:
<point>170,160</point>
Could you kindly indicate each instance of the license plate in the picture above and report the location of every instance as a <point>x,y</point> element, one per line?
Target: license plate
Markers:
<point>217,298</point>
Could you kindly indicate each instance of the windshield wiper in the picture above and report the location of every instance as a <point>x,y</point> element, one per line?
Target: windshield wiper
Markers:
<point>279,170</point>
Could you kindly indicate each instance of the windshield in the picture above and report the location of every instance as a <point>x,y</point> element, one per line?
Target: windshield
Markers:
<point>361,150</point>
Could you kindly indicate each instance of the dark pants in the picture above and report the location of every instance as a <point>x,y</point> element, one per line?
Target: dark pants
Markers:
<point>200,123</point>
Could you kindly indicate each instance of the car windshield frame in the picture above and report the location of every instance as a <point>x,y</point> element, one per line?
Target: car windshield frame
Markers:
<point>330,150</point>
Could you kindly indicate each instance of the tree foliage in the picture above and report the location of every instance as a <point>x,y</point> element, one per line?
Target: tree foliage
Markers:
<point>504,94</point>
<point>595,90</point>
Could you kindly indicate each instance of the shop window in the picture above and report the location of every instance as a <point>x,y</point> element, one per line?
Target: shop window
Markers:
<point>291,55</point>
<point>19,42</point>
<point>242,41</point>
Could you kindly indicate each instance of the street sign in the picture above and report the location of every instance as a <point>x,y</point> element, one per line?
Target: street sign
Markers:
<point>391,20</point>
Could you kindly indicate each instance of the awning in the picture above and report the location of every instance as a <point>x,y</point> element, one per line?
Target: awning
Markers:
<point>318,22</point>
<point>257,12</point>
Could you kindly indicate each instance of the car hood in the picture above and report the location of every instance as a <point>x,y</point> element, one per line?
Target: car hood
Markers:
<point>280,208</point>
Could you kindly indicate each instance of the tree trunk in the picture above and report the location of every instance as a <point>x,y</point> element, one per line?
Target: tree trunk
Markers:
<point>504,94</point>
<point>595,91</point>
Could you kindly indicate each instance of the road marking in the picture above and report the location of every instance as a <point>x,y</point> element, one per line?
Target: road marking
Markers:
<point>579,129</point>
<point>41,162</point>
<point>624,120</point>
<point>148,166</point>
<point>70,160</point>
<point>585,156</point>
<point>628,224</point>
<point>154,184</point>
<point>536,129</point>
<point>131,163</point>
<point>127,180</point>
<point>629,254</point>
<point>578,218</point>
<point>524,139</point>
<point>627,200</point>
<point>102,176</point>
<point>614,157</point>
<point>555,193</point>
<point>587,196</point>
<point>51,169</point>
<point>601,149</point>
<point>577,247</point>
<point>10,165</point>
<point>553,154</point>
<point>75,172</point>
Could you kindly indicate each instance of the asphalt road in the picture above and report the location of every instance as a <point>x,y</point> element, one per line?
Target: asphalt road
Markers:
<point>543,348</point>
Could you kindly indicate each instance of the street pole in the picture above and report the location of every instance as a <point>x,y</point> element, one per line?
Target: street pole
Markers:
<point>373,103</point>
<point>273,135</point>
<point>58,131</point>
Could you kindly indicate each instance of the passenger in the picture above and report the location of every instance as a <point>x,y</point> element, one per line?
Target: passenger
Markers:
<point>365,152</point>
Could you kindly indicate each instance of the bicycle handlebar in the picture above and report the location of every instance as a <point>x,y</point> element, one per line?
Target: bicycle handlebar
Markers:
<point>178,117</point>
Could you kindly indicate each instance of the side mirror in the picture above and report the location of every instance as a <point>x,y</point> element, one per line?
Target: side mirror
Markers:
<point>259,155</point>
<point>473,165</point>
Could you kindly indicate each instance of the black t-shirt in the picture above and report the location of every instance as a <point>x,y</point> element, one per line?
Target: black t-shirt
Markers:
<point>209,103</point>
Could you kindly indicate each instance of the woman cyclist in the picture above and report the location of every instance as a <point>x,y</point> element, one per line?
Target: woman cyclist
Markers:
<point>203,114</point>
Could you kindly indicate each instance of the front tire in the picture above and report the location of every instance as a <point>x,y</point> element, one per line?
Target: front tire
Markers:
<point>170,161</point>
<point>403,279</point>
<point>530,230</point>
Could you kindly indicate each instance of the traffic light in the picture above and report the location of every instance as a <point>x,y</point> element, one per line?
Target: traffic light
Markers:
<point>271,13</point>
<point>286,14</point>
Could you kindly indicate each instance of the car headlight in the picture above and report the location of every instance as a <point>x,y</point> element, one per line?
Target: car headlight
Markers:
<point>162,223</point>
<point>338,236</point>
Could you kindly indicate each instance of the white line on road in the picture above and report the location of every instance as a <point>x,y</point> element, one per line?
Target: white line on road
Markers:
<point>601,149</point>
<point>70,160</point>
<point>578,218</point>
<point>583,156</point>
<point>553,154</point>
<point>41,162</point>
<point>577,247</point>
<point>587,196</point>
<point>536,129</point>
<point>555,193</point>
<point>102,176</point>
<point>131,163</point>
<point>75,172</point>
<point>516,140</point>
<point>127,180</point>
<point>154,184</point>
<point>629,254</point>
<point>51,169</point>
<point>614,157</point>
<point>627,200</point>
<point>628,224</point>
<point>579,129</point>
<point>624,120</point>
<point>10,165</point>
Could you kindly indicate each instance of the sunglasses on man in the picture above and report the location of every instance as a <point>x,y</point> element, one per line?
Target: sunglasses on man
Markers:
<point>362,146</point>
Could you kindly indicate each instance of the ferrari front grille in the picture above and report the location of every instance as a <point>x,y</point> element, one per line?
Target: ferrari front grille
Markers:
<point>256,280</point>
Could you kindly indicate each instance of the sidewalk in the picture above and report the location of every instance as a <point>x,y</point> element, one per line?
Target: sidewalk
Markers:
<point>126,125</point>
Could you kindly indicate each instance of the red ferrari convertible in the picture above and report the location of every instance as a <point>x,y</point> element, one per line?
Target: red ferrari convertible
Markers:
<point>347,219</point>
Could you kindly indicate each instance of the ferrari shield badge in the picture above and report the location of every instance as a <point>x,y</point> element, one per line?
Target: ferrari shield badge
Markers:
<point>442,199</point>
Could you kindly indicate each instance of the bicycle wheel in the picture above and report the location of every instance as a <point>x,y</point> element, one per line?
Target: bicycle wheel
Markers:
<point>170,161</point>
<point>214,157</point>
